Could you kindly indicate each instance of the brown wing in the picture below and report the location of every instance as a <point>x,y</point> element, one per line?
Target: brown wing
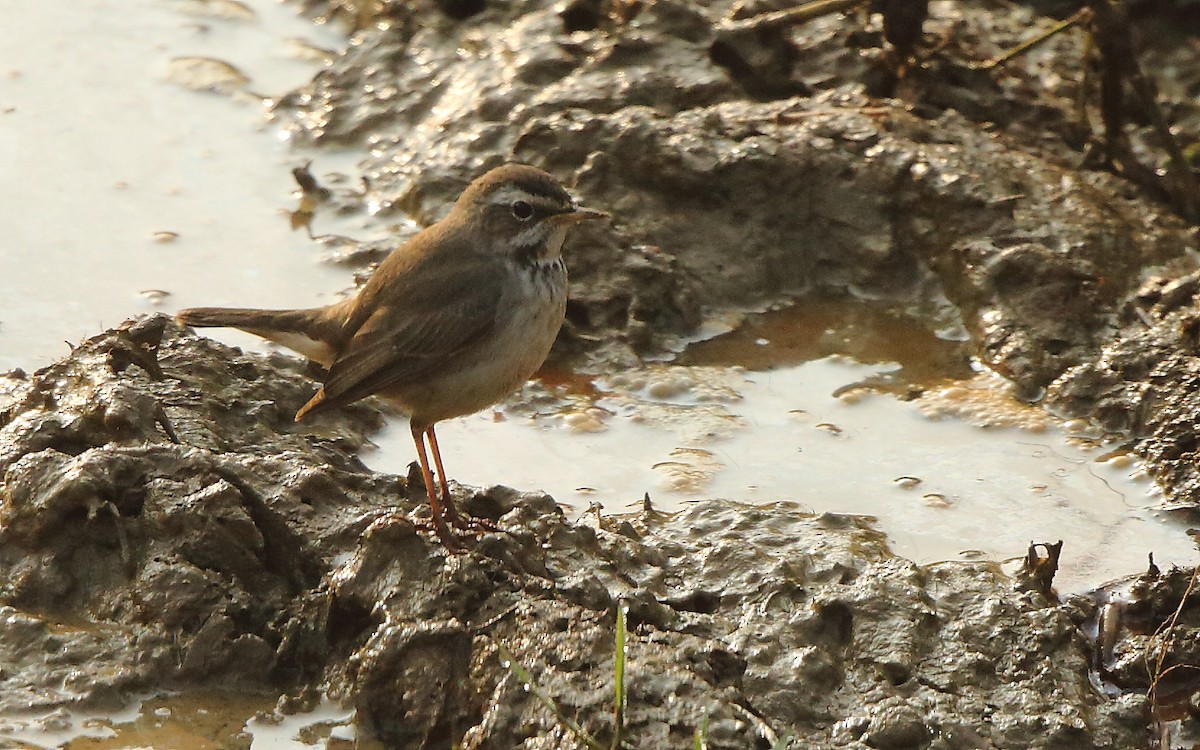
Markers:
<point>415,331</point>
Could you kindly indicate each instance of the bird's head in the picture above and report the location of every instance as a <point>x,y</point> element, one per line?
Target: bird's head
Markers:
<point>523,211</point>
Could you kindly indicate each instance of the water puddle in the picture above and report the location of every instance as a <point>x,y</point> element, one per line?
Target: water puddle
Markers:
<point>952,467</point>
<point>870,333</point>
<point>196,720</point>
<point>125,189</point>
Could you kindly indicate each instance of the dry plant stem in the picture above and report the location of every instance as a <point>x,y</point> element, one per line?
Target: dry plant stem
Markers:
<point>786,117</point>
<point>903,28</point>
<point>1080,15</point>
<point>122,539</point>
<point>1119,63</point>
<point>789,17</point>
<point>1082,120</point>
<point>1168,631</point>
<point>751,717</point>
<point>532,687</point>
<point>1040,571</point>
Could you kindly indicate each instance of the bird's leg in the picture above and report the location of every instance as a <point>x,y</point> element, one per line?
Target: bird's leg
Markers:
<point>447,501</point>
<point>452,514</point>
<point>451,542</point>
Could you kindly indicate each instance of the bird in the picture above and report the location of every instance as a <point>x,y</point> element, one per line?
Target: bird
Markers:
<point>448,324</point>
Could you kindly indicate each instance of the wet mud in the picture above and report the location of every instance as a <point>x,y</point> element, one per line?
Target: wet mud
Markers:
<point>164,524</point>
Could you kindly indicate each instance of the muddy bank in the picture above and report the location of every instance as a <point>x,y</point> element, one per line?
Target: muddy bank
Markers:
<point>164,524</point>
<point>745,167</point>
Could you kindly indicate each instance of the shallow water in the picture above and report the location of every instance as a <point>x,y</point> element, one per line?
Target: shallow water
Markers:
<point>123,190</point>
<point>942,488</point>
<point>201,720</point>
<point>963,471</point>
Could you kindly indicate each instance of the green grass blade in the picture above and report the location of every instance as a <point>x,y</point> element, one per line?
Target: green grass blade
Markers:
<point>619,676</point>
<point>784,740</point>
<point>522,674</point>
<point>702,732</point>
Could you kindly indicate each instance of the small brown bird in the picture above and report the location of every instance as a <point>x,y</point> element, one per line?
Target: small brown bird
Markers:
<point>450,323</point>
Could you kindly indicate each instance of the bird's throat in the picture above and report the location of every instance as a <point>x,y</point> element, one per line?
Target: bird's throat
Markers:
<point>539,245</point>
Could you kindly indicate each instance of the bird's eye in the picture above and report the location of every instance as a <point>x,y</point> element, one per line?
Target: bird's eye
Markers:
<point>522,210</point>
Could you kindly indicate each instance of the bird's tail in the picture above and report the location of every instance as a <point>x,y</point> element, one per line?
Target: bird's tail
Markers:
<point>310,332</point>
<point>247,319</point>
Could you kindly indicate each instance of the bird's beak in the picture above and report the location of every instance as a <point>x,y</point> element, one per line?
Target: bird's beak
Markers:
<point>580,214</point>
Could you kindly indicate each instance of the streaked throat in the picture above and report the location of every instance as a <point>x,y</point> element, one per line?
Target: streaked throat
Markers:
<point>539,245</point>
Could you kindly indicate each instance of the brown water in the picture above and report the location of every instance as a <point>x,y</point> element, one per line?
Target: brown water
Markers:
<point>126,191</point>
<point>906,430</point>
<point>201,720</point>
<point>816,328</point>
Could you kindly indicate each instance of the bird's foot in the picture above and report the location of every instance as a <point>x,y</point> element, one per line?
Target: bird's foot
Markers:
<point>470,524</point>
<point>453,543</point>
<point>476,526</point>
<point>460,536</point>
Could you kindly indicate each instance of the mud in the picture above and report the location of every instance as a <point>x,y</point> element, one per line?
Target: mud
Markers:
<point>966,202</point>
<point>165,524</point>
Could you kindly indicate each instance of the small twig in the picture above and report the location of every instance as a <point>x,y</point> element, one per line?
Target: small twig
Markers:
<point>164,422</point>
<point>1040,571</point>
<point>778,741</point>
<point>486,625</point>
<point>1080,15</point>
<point>787,17</point>
<point>1119,62</point>
<point>797,116</point>
<point>122,540</point>
<point>1168,631</point>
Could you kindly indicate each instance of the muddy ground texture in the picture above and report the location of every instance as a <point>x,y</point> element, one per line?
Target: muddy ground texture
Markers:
<point>164,523</point>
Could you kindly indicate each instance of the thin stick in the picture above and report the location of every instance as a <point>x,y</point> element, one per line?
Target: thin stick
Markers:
<point>1080,15</point>
<point>1168,629</point>
<point>788,17</point>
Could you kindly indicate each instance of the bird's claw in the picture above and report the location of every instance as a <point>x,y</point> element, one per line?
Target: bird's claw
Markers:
<point>471,529</point>
<point>471,524</point>
<point>475,525</point>
<point>453,543</point>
